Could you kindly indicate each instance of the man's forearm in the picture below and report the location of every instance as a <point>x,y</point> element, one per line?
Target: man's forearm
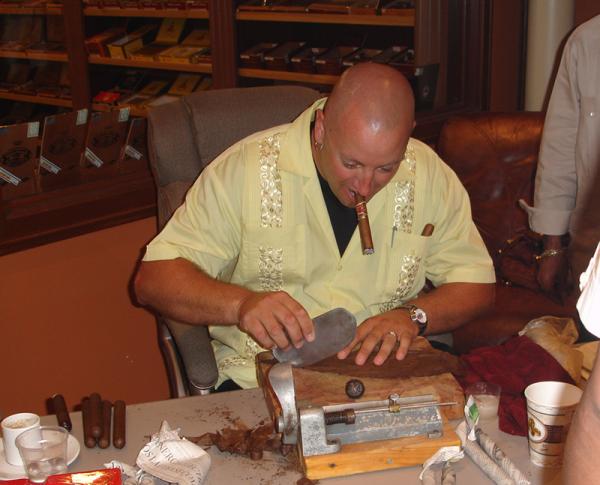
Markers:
<point>181,291</point>
<point>454,304</point>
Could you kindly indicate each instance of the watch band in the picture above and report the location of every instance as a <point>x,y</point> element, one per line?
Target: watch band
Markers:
<point>418,316</point>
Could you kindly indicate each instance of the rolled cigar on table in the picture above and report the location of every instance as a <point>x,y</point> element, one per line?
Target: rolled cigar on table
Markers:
<point>96,415</point>
<point>364,229</point>
<point>88,438</point>
<point>60,409</point>
<point>119,425</point>
<point>104,440</point>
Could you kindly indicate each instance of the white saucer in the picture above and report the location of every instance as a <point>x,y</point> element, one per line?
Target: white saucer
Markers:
<point>12,472</point>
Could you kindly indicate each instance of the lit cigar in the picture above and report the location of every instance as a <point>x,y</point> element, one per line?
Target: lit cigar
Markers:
<point>364,229</point>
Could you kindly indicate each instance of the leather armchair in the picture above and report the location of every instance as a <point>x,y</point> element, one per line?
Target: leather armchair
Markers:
<point>183,137</point>
<point>495,156</point>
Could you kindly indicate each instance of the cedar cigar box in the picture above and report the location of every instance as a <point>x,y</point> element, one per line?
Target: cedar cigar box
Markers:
<point>331,61</point>
<point>150,91</point>
<point>20,31</point>
<point>123,47</point>
<point>355,7</point>
<point>19,146</point>
<point>255,56</point>
<point>390,53</point>
<point>193,47</point>
<point>279,58</point>
<point>304,61</point>
<point>62,89</point>
<point>134,156</point>
<point>46,78</point>
<point>184,84</point>
<point>54,36</point>
<point>168,35</point>
<point>126,85</point>
<point>361,55</point>
<point>397,7</point>
<point>63,140</point>
<point>98,44</point>
<point>104,141</point>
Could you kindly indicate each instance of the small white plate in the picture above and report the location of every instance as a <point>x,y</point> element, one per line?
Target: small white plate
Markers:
<point>12,472</point>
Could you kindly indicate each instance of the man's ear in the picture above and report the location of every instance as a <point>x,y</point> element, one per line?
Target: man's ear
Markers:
<point>319,130</point>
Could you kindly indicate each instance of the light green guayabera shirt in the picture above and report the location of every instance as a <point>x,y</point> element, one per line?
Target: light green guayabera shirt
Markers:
<point>256,217</point>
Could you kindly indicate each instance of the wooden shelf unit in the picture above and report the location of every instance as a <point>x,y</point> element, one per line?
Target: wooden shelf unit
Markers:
<point>292,76</point>
<point>7,10</point>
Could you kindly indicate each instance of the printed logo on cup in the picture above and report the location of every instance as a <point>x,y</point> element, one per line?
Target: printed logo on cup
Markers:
<point>550,408</point>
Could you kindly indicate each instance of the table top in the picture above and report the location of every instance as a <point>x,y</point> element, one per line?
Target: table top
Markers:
<point>200,414</point>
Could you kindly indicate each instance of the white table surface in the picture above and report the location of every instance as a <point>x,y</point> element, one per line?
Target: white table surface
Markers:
<point>201,414</point>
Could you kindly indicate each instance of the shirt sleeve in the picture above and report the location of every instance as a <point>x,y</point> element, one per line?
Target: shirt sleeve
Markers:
<point>206,228</point>
<point>556,178</point>
<point>457,253</point>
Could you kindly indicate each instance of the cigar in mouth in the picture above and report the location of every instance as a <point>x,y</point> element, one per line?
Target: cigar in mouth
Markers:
<point>364,229</point>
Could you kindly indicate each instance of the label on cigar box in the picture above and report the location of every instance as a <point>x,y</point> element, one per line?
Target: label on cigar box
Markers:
<point>254,56</point>
<point>135,154</point>
<point>279,58</point>
<point>361,55</point>
<point>331,61</point>
<point>180,54</point>
<point>304,61</point>
<point>107,476</point>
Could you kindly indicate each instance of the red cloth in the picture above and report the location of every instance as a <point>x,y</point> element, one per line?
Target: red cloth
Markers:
<point>513,365</point>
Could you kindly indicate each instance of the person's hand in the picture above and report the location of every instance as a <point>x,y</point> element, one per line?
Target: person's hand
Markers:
<point>552,273</point>
<point>275,320</point>
<point>381,333</point>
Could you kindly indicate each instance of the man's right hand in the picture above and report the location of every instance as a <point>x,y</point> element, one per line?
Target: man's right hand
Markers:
<point>275,320</point>
<point>553,270</point>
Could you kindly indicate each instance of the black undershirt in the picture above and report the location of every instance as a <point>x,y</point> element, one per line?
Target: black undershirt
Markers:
<point>343,219</point>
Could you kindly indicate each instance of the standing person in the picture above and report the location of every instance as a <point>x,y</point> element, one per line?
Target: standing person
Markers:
<point>566,200</point>
<point>267,239</point>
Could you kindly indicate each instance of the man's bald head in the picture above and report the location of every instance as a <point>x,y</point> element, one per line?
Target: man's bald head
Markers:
<point>377,95</point>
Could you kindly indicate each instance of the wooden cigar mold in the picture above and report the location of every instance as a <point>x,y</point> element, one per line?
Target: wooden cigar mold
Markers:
<point>96,415</point>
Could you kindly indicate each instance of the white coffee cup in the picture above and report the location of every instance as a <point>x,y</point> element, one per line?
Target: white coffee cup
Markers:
<point>550,408</point>
<point>13,426</point>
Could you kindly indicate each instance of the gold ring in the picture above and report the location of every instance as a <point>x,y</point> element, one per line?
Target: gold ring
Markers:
<point>393,334</point>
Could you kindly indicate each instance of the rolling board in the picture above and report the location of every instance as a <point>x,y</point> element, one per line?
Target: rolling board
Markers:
<point>424,371</point>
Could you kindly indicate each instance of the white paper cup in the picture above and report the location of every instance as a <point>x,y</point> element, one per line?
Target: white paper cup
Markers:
<point>550,408</point>
<point>13,426</point>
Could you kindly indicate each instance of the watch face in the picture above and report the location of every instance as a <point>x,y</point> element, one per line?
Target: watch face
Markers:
<point>420,315</point>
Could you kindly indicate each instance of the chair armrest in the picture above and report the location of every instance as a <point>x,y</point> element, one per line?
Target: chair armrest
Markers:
<point>195,350</point>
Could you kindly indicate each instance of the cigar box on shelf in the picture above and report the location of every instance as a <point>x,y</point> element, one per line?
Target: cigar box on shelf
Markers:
<point>354,7</point>
<point>204,84</point>
<point>19,147</point>
<point>361,55</point>
<point>195,45</point>
<point>46,78</point>
<point>63,140</point>
<point>304,60</point>
<point>149,92</point>
<point>396,7</point>
<point>389,53</point>
<point>184,84</point>
<point>129,3</point>
<point>126,84</point>
<point>134,156</point>
<point>17,74</point>
<point>168,35</point>
<point>255,56</point>
<point>56,89</point>
<point>104,141</point>
<point>279,58</point>
<point>331,62</point>
<point>54,39</point>
<point>197,4</point>
<point>20,31</point>
<point>124,46</point>
<point>98,44</point>
<point>257,5</point>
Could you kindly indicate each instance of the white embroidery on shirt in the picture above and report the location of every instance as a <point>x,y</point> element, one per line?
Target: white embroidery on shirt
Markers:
<point>271,207</point>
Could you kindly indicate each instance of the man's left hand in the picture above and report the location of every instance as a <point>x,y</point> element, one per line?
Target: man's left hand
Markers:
<point>381,334</point>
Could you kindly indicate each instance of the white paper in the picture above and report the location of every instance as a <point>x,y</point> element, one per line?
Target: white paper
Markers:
<point>174,459</point>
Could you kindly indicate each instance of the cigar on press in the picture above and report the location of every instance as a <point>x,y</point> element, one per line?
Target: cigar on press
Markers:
<point>60,409</point>
<point>104,440</point>
<point>88,438</point>
<point>96,415</point>
<point>119,424</point>
<point>364,229</point>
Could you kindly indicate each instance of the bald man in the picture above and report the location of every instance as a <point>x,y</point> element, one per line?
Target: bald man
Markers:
<point>267,237</point>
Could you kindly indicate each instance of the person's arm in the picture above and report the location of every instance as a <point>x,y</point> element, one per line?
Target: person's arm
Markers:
<point>447,308</point>
<point>179,290</point>
<point>583,442</point>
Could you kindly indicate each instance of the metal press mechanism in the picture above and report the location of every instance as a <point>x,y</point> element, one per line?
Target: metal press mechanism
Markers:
<point>321,430</point>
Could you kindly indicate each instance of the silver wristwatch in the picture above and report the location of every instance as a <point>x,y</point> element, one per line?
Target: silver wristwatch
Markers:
<point>418,316</point>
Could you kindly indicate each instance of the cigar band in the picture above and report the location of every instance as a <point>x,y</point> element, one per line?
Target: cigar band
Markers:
<point>361,209</point>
